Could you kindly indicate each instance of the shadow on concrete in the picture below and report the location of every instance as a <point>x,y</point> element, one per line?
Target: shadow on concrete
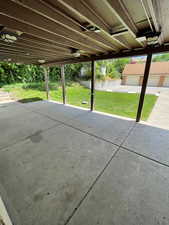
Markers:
<point>26,100</point>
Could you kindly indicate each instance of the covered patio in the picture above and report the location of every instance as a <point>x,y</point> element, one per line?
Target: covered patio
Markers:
<point>60,164</point>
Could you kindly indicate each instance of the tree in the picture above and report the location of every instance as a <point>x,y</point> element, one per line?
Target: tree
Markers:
<point>119,64</point>
<point>72,70</point>
<point>12,72</point>
<point>161,57</point>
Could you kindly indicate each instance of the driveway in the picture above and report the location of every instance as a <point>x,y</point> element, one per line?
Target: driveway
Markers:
<point>137,89</point>
<point>160,114</point>
<point>115,87</point>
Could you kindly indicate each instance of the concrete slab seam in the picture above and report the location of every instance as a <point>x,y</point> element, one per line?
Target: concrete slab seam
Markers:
<point>85,132</point>
<point>144,156</point>
<point>97,179</point>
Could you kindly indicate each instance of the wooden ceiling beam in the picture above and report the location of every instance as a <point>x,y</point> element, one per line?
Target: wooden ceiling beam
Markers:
<point>82,9</point>
<point>35,57</point>
<point>153,14</point>
<point>27,16</point>
<point>119,33</point>
<point>42,46</point>
<point>48,10</point>
<point>26,28</point>
<point>30,51</point>
<point>12,55</point>
<point>31,48</point>
<point>19,57</point>
<point>18,60</point>
<point>122,54</point>
<point>17,51</point>
<point>153,9</point>
<point>9,53</point>
<point>119,9</point>
<point>36,40</point>
<point>147,14</point>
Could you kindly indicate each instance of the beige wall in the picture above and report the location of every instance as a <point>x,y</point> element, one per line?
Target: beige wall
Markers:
<point>154,80</point>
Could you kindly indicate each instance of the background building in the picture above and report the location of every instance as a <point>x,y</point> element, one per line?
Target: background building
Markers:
<point>159,74</point>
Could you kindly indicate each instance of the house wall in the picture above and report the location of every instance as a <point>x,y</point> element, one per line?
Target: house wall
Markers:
<point>153,81</point>
<point>132,80</point>
<point>166,81</point>
<point>161,81</point>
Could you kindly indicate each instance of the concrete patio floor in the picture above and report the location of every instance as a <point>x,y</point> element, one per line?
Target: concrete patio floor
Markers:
<point>64,165</point>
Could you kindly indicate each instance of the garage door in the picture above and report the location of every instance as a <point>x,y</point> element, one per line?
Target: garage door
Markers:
<point>166,82</point>
<point>153,81</point>
<point>133,81</point>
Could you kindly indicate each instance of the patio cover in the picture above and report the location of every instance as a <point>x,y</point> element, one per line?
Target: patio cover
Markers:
<point>50,32</point>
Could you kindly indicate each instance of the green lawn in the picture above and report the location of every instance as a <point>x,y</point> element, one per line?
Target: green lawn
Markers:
<point>122,104</point>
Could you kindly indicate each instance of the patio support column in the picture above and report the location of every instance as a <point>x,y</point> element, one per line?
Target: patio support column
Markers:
<point>63,84</point>
<point>144,86</point>
<point>46,74</point>
<point>92,85</point>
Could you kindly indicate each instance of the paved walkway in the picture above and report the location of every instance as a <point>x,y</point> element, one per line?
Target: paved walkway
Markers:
<point>160,113</point>
<point>137,89</point>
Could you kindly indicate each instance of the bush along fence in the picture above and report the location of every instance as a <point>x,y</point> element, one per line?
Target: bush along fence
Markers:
<point>20,73</point>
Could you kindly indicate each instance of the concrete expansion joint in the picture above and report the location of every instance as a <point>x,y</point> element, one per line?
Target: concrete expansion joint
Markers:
<point>100,175</point>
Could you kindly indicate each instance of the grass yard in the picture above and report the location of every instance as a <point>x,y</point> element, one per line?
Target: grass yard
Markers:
<point>122,104</point>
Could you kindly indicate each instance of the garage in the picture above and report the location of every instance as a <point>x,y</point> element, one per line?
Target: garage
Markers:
<point>153,81</point>
<point>166,82</point>
<point>159,74</point>
<point>132,80</point>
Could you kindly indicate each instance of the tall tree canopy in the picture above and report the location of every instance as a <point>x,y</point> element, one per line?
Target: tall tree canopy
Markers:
<point>161,57</point>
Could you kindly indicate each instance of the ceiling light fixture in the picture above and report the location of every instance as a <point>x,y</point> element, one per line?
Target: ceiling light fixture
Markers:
<point>41,61</point>
<point>8,37</point>
<point>75,52</point>
<point>92,28</point>
<point>8,60</point>
<point>141,39</point>
<point>150,37</point>
<point>152,40</point>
